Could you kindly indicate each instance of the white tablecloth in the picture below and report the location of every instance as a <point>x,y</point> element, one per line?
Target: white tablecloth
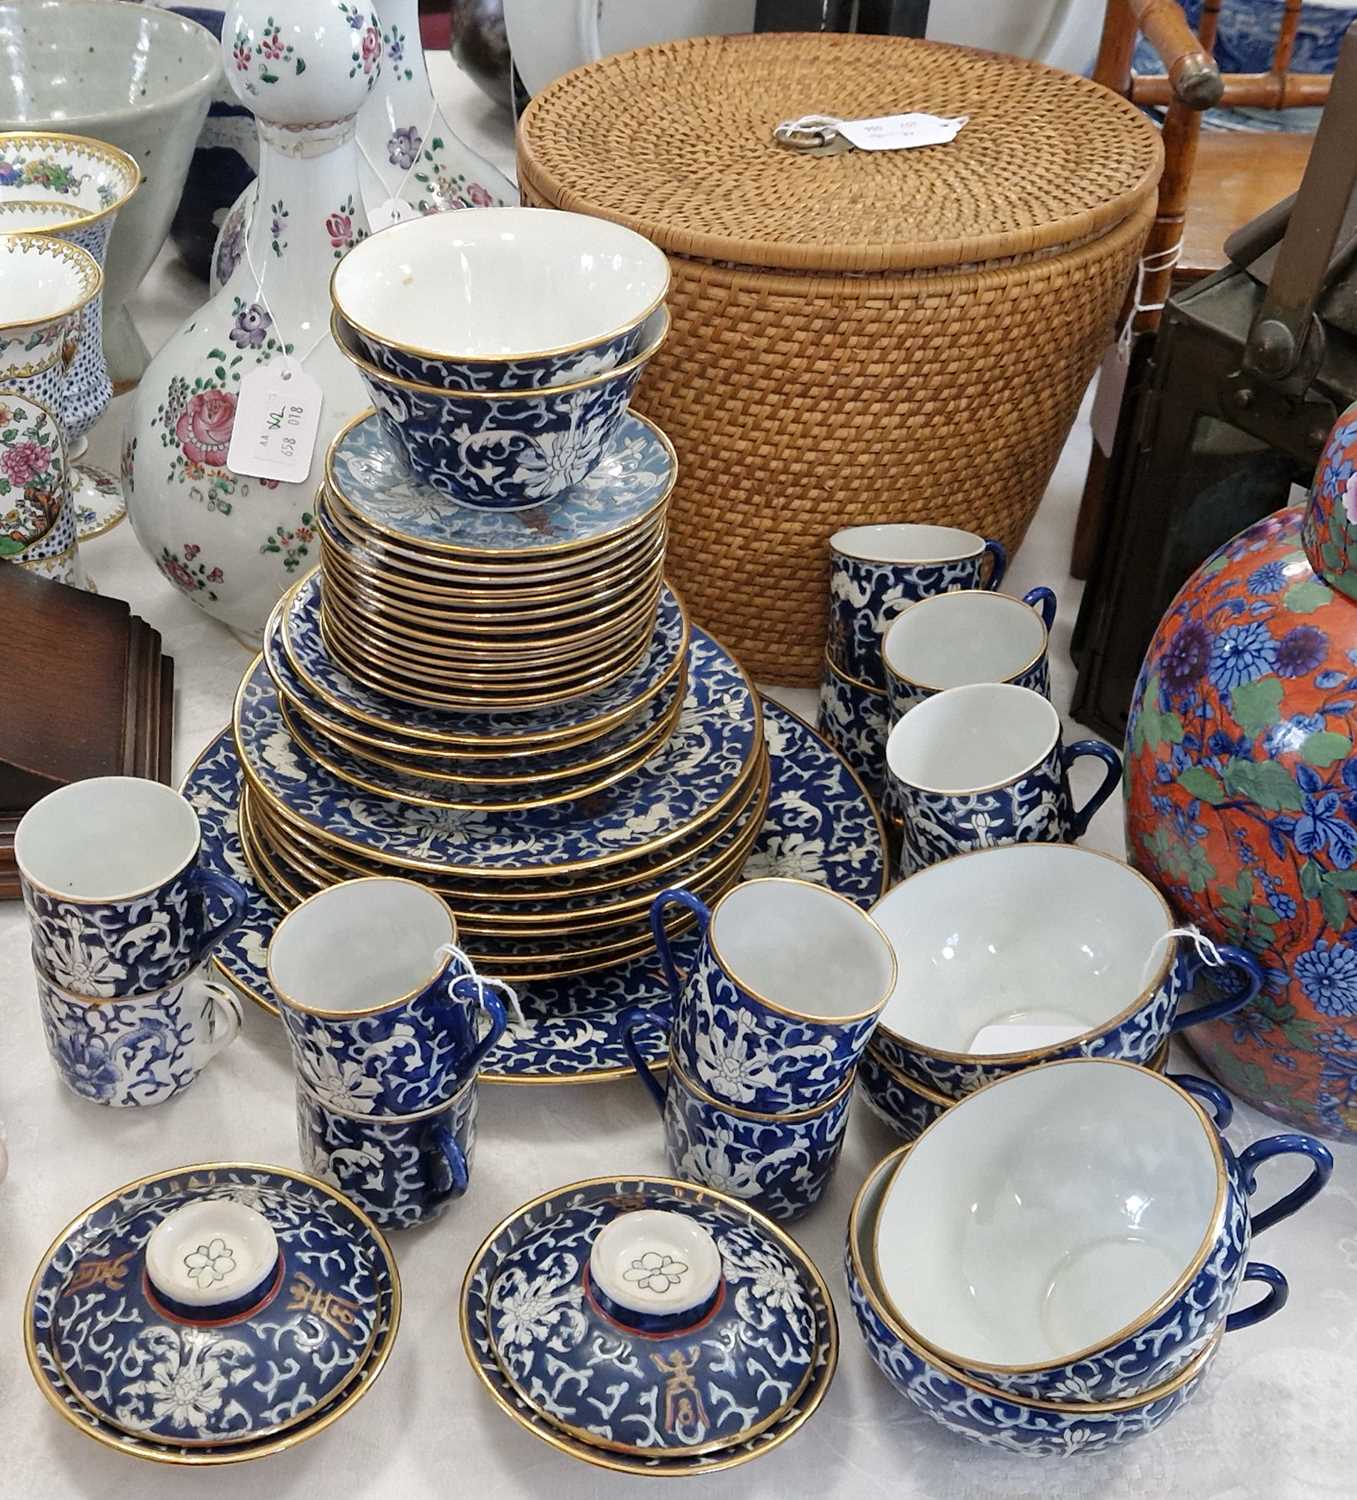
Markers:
<point>1276,1421</point>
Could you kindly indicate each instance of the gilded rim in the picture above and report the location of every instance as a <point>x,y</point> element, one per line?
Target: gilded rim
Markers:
<point>536,394</point>
<point>1044,1054</point>
<point>26,242</point>
<point>1056,741</point>
<point>833,668</point>
<point>593,1452</point>
<point>929,687</point>
<point>1185,1278</point>
<point>118,513</point>
<point>115,1438</point>
<point>759,1116</point>
<point>838,551</point>
<point>395,1122</point>
<point>83,145</point>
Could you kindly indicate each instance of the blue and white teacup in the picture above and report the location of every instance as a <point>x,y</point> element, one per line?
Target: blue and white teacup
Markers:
<point>382,1009</point>
<point>1078,1232</point>
<point>787,984</point>
<point>130,1050</point>
<point>983,765</point>
<point>1021,955</point>
<point>116,900</point>
<point>876,571</point>
<point>401,1170</point>
<point>855,718</point>
<point>779,1164</point>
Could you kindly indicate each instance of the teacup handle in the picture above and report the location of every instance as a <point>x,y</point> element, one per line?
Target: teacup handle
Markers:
<point>1042,600</point>
<point>1210,1094</point>
<point>227,1018</point>
<point>998,556</point>
<point>629,1020</point>
<point>461,990</point>
<point>1292,1144</point>
<point>451,1159</point>
<point>212,883</point>
<point>1111,780</point>
<point>657,906</point>
<point>1273,1302</point>
<point>1234,958</point>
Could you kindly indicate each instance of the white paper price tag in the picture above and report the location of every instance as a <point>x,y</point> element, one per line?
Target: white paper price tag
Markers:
<point>901,132</point>
<point>277,418</point>
<point>390,212</point>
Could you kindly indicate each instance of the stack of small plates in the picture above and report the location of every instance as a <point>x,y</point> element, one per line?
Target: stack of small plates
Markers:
<point>446,606</point>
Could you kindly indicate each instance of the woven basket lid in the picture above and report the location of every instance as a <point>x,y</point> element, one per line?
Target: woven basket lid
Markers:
<point>677,142</point>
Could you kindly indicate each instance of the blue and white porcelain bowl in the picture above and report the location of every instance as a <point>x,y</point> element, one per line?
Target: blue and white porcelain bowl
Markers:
<point>876,571</point>
<point>855,718</point>
<point>972,1409</point>
<point>539,298</point>
<point>401,1170</point>
<point>116,898</point>
<point>783,993</point>
<point>382,1009</point>
<point>504,449</point>
<point>778,1164</point>
<point>1021,955</point>
<point>1078,1232</point>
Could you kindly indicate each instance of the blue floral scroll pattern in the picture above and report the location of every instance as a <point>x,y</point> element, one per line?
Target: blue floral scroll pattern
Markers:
<point>855,719</point>
<point>892,1100</point>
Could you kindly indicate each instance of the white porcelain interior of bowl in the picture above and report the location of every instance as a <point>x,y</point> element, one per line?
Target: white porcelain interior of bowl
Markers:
<point>1022,936</point>
<point>210,1251</point>
<point>803,948</point>
<point>499,282</point>
<point>35,286</point>
<point>655,1261</point>
<point>1047,1213</point>
<point>906,543</point>
<point>360,944</point>
<point>963,637</point>
<point>971,738</point>
<point>107,837</point>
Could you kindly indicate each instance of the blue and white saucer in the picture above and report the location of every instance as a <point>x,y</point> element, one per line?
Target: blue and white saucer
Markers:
<point>820,825</point>
<point>630,484</point>
<point>637,1402</point>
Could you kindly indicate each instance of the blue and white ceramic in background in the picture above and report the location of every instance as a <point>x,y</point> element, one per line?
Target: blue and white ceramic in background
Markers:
<point>876,571</point>
<point>1007,959</point>
<point>116,897</point>
<point>978,766</point>
<point>136,1049</point>
<point>993,1418</point>
<point>897,1101</point>
<point>779,1164</point>
<point>1247,36</point>
<point>111,1350</point>
<point>632,481</point>
<point>400,1170</point>
<point>856,720</point>
<point>785,989</point>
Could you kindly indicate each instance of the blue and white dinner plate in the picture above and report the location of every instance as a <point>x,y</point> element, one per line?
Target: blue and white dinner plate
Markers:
<point>820,825</point>
<point>290,1200</point>
<point>701,767</point>
<point>561,722</point>
<point>776,1286</point>
<point>374,483</point>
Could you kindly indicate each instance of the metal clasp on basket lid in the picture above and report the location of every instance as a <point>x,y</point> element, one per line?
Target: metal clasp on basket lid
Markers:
<point>812,135</point>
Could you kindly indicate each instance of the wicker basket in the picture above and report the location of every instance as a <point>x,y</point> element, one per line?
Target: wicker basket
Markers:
<point>871,336</point>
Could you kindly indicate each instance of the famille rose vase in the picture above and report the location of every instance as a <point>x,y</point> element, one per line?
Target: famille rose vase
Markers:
<point>1241,789</point>
<point>408,153</point>
<point>231,542</point>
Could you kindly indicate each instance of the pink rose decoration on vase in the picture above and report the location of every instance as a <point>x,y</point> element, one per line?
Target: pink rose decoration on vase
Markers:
<point>479,195</point>
<point>1350,499</point>
<point>204,427</point>
<point>178,574</point>
<point>372,48</point>
<point>340,229</point>
<point>23,462</point>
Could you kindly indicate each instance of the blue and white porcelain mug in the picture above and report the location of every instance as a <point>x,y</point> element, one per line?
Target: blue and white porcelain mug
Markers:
<point>855,718</point>
<point>876,571</point>
<point>382,1009</point>
<point>116,900</point>
<point>779,1164</point>
<point>787,984</point>
<point>401,1170</point>
<point>983,765</point>
<point>129,1050</point>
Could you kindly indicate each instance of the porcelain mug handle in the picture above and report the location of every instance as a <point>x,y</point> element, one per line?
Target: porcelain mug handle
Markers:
<point>1042,600</point>
<point>212,883</point>
<point>471,989</point>
<point>999,563</point>
<point>226,1017</point>
<point>1294,1144</point>
<point>657,907</point>
<point>1217,1101</point>
<point>1273,1302</point>
<point>1234,958</point>
<point>1080,820</point>
<point>451,1159</point>
<point>629,1020</point>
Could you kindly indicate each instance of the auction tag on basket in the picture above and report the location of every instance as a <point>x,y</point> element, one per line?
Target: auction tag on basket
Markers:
<point>277,418</point>
<point>900,132</point>
<point>388,213</point>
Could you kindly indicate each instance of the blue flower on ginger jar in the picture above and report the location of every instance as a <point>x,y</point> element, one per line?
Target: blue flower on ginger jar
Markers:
<point>1241,788</point>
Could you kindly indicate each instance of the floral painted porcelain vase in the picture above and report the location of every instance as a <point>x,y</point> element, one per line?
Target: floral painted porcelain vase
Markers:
<point>407,150</point>
<point>1241,788</point>
<point>233,543</point>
